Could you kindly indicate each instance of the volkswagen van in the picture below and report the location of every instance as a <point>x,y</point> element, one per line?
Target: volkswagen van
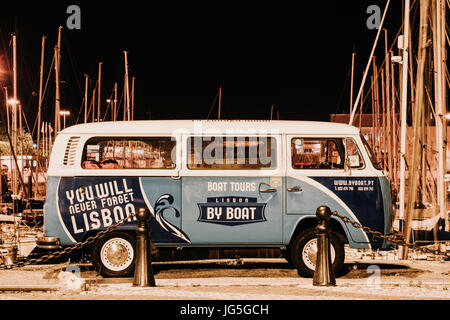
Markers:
<point>224,184</point>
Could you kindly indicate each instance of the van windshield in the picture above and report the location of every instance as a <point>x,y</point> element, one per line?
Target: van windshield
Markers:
<point>372,156</point>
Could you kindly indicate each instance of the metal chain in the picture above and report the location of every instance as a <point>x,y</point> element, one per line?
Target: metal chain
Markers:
<point>67,250</point>
<point>394,239</point>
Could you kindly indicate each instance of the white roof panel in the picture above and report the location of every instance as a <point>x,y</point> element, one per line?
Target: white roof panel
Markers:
<point>210,127</point>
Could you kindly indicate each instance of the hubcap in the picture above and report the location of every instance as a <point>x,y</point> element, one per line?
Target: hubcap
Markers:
<point>117,254</point>
<point>309,254</point>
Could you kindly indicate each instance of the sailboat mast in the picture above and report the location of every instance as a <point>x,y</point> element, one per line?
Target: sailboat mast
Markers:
<point>14,118</point>
<point>115,102</point>
<point>351,81</point>
<point>41,75</point>
<point>132,98</point>
<point>444,71</point>
<point>86,87</point>
<point>57,98</point>
<point>220,101</point>
<point>127,87</point>
<point>99,90</point>
<point>439,85</point>
<point>403,107</point>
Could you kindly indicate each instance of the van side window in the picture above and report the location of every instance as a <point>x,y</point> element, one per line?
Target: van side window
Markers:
<point>129,153</point>
<point>317,153</point>
<point>231,153</point>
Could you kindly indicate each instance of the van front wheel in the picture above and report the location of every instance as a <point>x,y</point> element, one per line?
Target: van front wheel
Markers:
<point>304,252</point>
<point>113,254</point>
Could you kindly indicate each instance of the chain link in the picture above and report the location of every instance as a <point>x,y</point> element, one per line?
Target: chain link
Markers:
<point>67,250</point>
<point>394,239</point>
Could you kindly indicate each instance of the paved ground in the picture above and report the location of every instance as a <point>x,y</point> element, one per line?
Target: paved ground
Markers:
<point>247,279</point>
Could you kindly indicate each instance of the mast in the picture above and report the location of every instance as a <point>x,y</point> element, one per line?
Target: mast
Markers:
<point>439,102</point>
<point>351,81</point>
<point>220,101</point>
<point>57,98</point>
<point>86,88</point>
<point>132,98</point>
<point>403,107</point>
<point>444,71</point>
<point>115,102</point>
<point>394,129</point>
<point>14,118</point>
<point>418,113</point>
<point>93,103</point>
<point>388,132</point>
<point>127,87</point>
<point>99,90</point>
<point>41,74</point>
<point>358,97</point>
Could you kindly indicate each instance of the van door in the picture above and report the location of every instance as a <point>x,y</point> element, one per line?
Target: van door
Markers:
<point>318,175</point>
<point>232,190</point>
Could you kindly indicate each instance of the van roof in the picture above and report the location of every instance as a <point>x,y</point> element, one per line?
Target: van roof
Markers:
<point>211,127</point>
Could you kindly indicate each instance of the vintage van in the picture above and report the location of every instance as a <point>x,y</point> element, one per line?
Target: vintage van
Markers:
<point>234,184</point>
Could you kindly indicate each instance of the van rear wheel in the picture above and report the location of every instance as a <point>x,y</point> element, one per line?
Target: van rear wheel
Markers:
<point>304,251</point>
<point>113,255</point>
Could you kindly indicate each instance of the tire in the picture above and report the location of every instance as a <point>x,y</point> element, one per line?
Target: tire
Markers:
<point>114,254</point>
<point>304,248</point>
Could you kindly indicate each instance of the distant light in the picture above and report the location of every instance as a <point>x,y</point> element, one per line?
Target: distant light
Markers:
<point>12,101</point>
<point>64,112</point>
<point>397,59</point>
<point>447,116</point>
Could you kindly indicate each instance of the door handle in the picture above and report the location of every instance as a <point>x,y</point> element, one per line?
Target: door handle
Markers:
<point>294,189</point>
<point>267,190</point>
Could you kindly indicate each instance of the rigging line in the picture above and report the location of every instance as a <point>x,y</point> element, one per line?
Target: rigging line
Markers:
<point>25,118</point>
<point>394,42</point>
<point>358,98</point>
<point>212,106</point>
<point>66,44</point>
<point>447,76</point>
<point>13,152</point>
<point>343,89</point>
<point>79,111</point>
<point>45,89</point>
<point>109,104</point>
<point>92,102</point>
<point>119,102</point>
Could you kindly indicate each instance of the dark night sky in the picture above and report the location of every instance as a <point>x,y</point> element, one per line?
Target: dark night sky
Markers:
<point>296,57</point>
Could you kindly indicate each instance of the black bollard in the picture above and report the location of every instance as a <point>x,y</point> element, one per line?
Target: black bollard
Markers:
<point>324,273</point>
<point>143,272</point>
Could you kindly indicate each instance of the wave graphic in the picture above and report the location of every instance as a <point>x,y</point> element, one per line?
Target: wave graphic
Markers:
<point>164,203</point>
